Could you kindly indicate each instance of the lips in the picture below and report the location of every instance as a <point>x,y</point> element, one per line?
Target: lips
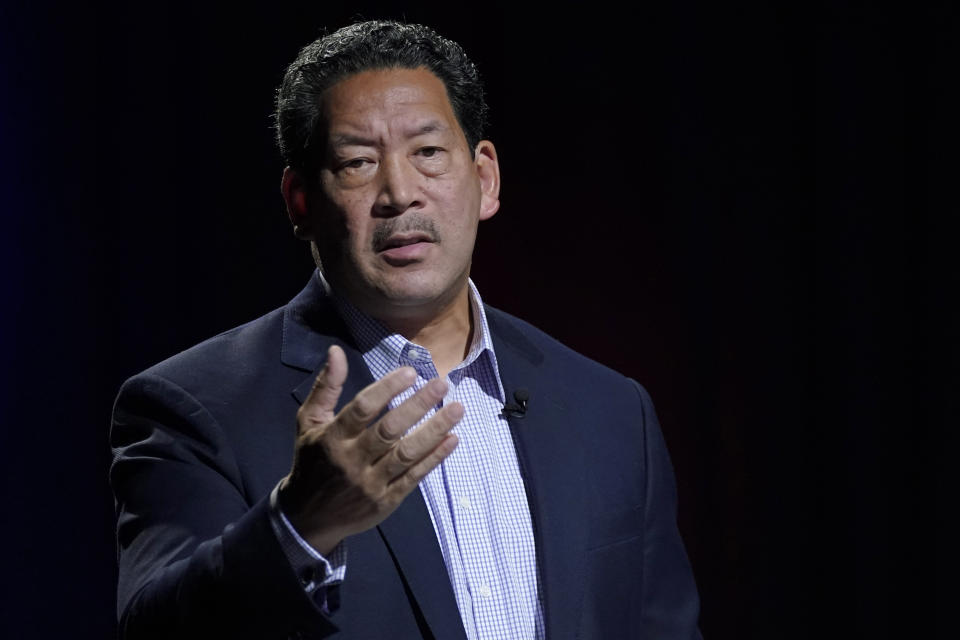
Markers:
<point>398,240</point>
<point>403,249</point>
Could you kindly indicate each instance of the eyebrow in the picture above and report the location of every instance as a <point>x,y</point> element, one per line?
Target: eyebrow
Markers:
<point>428,127</point>
<point>351,139</point>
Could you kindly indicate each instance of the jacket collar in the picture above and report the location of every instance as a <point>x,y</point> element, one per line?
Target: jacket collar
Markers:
<point>310,325</point>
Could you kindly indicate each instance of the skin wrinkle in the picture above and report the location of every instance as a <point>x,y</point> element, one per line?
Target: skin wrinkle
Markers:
<point>344,139</point>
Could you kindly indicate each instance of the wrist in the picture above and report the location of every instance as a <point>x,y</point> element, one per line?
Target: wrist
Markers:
<point>323,539</point>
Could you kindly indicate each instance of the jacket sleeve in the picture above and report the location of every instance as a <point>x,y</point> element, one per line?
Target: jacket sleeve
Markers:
<point>670,604</point>
<point>197,556</point>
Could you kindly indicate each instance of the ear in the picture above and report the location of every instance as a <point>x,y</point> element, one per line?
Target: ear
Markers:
<point>294,190</point>
<point>488,170</point>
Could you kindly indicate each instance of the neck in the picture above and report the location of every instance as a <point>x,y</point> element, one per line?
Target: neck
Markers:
<point>446,333</point>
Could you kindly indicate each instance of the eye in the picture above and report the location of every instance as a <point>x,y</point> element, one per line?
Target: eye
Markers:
<point>430,152</point>
<point>356,163</point>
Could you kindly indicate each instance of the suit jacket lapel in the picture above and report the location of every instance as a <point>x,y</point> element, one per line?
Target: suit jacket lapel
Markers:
<point>311,325</point>
<point>412,542</point>
<point>549,447</point>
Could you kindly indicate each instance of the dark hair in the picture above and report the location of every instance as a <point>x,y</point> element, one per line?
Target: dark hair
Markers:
<point>367,46</point>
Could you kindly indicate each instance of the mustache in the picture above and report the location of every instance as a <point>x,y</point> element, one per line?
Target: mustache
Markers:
<point>407,224</point>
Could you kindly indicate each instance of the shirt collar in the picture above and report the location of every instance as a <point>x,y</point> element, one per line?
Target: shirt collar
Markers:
<point>382,349</point>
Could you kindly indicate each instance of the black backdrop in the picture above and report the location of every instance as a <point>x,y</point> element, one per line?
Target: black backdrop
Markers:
<point>746,208</point>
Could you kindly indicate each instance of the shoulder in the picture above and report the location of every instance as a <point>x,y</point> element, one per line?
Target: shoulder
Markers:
<point>555,359</point>
<point>609,414</point>
<point>289,337</point>
<point>236,350</point>
<point>235,372</point>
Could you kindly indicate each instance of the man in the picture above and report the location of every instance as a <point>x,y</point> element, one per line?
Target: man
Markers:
<point>453,472</point>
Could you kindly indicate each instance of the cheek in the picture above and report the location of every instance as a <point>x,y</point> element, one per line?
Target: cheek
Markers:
<point>353,220</point>
<point>441,196</point>
<point>459,195</point>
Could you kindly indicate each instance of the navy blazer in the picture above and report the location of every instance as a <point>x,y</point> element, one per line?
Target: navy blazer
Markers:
<point>202,438</point>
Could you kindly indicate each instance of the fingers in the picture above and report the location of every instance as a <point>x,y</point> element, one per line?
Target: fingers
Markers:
<point>370,403</point>
<point>404,483</point>
<point>379,438</point>
<point>318,408</point>
<point>347,477</point>
<point>409,454</point>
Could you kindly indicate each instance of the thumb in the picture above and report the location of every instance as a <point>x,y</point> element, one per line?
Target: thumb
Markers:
<point>318,409</point>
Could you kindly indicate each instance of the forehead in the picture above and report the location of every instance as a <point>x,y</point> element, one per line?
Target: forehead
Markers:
<point>381,97</point>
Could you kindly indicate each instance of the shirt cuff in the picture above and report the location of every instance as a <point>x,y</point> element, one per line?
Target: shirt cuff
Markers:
<point>315,571</point>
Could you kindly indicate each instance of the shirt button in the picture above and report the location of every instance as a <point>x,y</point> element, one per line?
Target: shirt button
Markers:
<point>485,591</point>
<point>465,503</point>
<point>413,354</point>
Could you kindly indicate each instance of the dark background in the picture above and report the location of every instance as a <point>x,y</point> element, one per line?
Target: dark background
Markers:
<point>749,209</point>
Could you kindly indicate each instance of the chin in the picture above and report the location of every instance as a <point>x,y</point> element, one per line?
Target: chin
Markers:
<point>412,296</point>
<point>419,292</point>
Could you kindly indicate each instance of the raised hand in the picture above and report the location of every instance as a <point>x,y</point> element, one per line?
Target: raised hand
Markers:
<point>349,473</point>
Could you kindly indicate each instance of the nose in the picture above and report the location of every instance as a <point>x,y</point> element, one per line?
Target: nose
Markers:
<point>399,186</point>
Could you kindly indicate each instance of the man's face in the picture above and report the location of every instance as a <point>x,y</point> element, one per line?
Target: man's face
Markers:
<point>400,193</point>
